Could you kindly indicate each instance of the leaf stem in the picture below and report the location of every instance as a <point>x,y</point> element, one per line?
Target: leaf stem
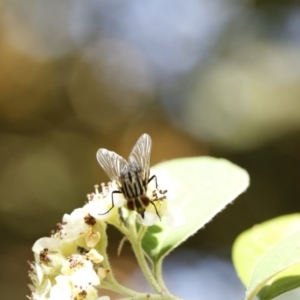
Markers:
<point>110,282</point>
<point>150,297</point>
<point>139,253</point>
<point>118,288</point>
<point>155,279</point>
<point>141,233</point>
<point>158,275</point>
<point>101,247</point>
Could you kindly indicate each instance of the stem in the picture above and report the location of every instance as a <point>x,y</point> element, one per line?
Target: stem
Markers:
<point>132,224</point>
<point>139,253</point>
<point>110,283</point>
<point>102,245</point>
<point>135,239</point>
<point>158,275</point>
<point>149,297</point>
<point>120,226</point>
<point>141,233</point>
<point>157,267</point>
<point>118,288</point>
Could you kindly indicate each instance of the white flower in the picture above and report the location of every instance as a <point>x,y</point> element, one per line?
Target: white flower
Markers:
<point>62,289</point>
<point>36,273</point>
<point>41,292</point>
<point>101,202</point>
<point>74,225</point>
<point>79,225</point>
<point>172,214</point>
<point>50,243</point>
<point>77,280</point>
<point>47,253</point>
<point>164,179</point>
<point>81,270</point>
<point>150,218</point>
<point>40,286</point>
<point>72,277</point>
<point>64,267</point>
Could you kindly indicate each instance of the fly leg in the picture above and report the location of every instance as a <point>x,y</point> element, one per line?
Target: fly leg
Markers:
<point>153,177</point>
<point>112,201</point>
<point>152,202</point>
<point>155,209</point>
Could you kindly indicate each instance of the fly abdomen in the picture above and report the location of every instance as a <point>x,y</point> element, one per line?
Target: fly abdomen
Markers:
<point>145,200</point>
<point>130,205</point>
<point>138,204</point>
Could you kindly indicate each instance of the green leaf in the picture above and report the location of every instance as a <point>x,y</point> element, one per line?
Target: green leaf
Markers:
<point>267,257</point>
<point>200,187</point>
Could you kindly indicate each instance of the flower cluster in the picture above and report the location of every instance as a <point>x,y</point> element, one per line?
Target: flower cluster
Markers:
<point>101,202</point>
<point>67,266</point>
<point>72,263</point>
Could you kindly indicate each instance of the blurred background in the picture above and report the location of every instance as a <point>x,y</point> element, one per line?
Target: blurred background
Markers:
<point>218,77</point>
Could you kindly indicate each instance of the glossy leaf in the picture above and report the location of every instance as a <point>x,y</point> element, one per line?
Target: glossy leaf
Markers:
<point>200,187</point>
<point>267,257</point>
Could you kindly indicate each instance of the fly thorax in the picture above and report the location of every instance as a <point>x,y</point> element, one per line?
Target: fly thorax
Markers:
<point>132,182</point>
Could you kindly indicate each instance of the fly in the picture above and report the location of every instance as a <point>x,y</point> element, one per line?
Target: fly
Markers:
<point>132,176</point>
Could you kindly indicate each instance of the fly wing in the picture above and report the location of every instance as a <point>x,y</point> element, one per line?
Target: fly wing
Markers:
<point>111,163</point>
<point>141,153</point>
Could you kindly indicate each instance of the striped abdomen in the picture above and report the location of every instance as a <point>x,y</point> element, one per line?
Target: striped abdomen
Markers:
<point>134,188</point>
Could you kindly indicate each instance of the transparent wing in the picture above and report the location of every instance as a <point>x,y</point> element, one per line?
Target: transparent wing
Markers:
<point>111,163</point>
<point>141,153</point>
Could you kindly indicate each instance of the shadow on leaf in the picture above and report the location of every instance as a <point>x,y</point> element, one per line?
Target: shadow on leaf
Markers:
<point>278,287</point>
<point>150,241</point>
